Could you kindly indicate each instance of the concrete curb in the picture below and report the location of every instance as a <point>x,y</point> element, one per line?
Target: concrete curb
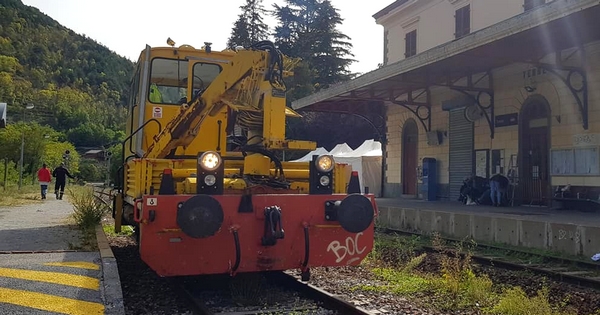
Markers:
<point>111,292</point>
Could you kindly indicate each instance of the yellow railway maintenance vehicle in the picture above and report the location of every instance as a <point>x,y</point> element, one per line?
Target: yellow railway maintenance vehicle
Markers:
<point>202,184</point>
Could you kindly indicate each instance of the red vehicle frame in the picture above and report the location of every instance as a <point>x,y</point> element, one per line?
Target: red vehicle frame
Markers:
<point>304,234</point>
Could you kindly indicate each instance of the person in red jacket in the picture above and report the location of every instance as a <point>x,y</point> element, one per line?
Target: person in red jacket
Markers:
<point>44,177</point>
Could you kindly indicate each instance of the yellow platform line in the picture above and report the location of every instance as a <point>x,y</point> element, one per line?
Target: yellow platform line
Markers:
<point>50,303</point>
<point>52,277</point>
<point>74,264</point>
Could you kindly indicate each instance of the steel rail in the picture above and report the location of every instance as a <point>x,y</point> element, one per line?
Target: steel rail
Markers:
<point>329,300</point>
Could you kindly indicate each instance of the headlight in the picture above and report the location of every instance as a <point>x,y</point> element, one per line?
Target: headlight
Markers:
<point>324,180</point>
<point>210,180</point>
<point>210,161</point>
<point>325,163</point>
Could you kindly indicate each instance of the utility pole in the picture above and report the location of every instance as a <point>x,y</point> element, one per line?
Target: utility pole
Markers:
<point>3,125</point>
<point>5,172</point>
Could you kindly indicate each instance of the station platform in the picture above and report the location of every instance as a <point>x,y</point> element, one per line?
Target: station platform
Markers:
<point>561,231</point>
<point>43,269</point>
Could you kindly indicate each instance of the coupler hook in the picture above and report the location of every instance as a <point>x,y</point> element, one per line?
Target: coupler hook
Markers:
<point>273,227</point>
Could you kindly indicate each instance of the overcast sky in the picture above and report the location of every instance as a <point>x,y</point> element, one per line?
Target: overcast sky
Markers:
<point>126,26</point>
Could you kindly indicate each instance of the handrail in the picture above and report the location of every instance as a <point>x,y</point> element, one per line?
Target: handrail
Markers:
<point>136,131</point>
<point>120,176</point>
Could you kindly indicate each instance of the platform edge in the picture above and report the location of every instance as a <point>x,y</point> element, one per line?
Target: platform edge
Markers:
<point>112,295</point>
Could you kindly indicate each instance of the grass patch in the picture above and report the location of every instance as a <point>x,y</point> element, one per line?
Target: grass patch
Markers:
<point>447,281</point>
<point>401,281</point>
<point>514,301</point>
<point>12,196</point>
<point>392,250</point>
<point>109,230</point>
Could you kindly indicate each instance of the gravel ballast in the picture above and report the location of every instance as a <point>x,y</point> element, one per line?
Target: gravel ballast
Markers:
<point>146,293</point>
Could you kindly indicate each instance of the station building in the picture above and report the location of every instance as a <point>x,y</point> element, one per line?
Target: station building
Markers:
<point>480,87</point>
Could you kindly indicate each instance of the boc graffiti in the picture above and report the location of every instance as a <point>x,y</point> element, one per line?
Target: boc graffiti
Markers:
<point>348,249</point>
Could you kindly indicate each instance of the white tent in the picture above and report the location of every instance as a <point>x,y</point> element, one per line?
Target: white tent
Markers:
<point>366,160</point>
<point>341,149</point>
<point>308,157</point>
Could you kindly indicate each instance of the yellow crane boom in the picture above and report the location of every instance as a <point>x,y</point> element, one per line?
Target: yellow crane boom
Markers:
<point>251,85</point>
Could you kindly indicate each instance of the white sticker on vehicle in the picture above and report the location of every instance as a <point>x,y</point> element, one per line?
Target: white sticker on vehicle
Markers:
<point>156,112</point>
<point>151,202</point>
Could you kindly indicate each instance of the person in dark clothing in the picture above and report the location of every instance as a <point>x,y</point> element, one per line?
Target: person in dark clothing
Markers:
<point>498,186</point>
<point>472,189</point>
<point>61,173</point>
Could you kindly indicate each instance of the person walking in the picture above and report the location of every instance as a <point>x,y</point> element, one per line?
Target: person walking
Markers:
<point>61,173</point>
<point>44,177</point>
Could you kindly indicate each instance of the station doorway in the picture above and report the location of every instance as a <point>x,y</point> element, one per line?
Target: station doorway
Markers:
<point>534,151</point>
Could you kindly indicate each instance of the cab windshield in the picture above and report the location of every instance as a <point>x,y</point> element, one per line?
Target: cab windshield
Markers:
<point>167,85</point>
<point>169,80</point>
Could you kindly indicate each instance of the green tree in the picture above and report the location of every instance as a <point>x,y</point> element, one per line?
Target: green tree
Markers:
<point>116,162</point>
<point>250,27</point>
<point>240,36</point>
<point>308,29</point>
<point>31,135</point>
<point>91,135</point>
<point>53,155</point>
<point>91,171</point>
<point>12,175</point>
<point>42,144</point>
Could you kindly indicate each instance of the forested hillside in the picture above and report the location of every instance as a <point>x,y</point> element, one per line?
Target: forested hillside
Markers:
<point>78,87</point>
<point>72,81</point>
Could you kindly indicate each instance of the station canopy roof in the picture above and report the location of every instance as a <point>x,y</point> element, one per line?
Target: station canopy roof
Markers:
<point>528,37</point>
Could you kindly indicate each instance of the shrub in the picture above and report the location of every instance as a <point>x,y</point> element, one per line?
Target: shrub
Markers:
<point>458,281</point>
<point>87,209</point>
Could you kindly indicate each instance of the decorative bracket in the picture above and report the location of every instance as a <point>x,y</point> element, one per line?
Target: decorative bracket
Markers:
<point>570,76</point>
<point>378,124</point>
<point>483,99</point>
<point>421,110</point>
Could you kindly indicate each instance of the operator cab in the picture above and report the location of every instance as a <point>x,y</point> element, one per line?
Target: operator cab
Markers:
<point>169,80</point>
<point>161,85</point>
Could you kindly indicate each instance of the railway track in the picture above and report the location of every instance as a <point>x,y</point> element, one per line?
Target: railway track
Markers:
<point>279,293</point>
<point>103,193</point>
<point>577,272</point>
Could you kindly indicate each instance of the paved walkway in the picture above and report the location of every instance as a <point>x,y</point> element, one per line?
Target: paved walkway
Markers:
<point>38,227</point>
<point>39,271</point>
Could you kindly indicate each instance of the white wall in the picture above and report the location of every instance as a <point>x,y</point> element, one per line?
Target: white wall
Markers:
<point>434,21</point>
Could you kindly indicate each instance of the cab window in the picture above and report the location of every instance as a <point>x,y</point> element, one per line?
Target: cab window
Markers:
<point>204,75</point>
<point>168,81</point>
